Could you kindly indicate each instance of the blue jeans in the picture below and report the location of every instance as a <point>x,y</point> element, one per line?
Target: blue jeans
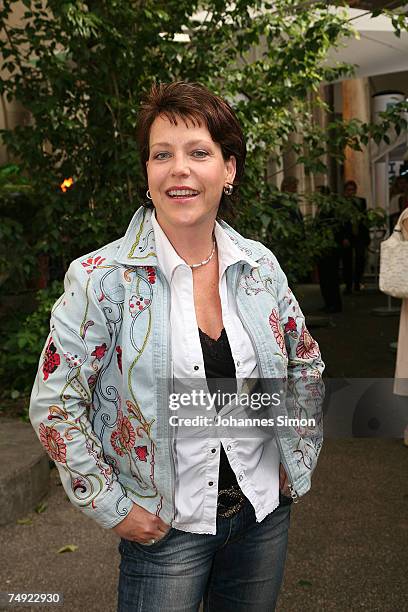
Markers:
<point>240,569</point>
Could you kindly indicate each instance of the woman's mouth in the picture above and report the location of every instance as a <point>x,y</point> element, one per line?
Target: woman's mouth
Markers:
<point>182,194</point>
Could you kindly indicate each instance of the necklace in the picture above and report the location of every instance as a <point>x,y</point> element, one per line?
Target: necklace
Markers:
<point>206,261</point>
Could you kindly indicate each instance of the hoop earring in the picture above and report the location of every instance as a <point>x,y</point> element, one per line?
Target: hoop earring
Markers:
<point>228,189</point>
<point>148,196</point>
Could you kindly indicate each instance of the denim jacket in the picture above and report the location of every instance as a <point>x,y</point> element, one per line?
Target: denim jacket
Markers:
<point>99,404</point>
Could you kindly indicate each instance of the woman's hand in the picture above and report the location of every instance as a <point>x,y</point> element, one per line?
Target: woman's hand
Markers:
<point>283,482</point>
<point>141,526</point>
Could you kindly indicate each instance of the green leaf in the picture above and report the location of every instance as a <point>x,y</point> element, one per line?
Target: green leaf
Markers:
<point>377,138</point>
<point>68,548</point>
<point>41,508</point>
<point>304,583</point>
<point>25,521</point>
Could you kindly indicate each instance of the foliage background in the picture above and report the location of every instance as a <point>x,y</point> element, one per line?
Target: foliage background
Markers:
<point>80,69</point>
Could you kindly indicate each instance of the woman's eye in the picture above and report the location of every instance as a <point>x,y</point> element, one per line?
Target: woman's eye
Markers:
<point>200,153</point>
<point>162,155</point>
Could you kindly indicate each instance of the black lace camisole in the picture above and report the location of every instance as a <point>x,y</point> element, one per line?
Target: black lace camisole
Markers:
<point>219,364</point>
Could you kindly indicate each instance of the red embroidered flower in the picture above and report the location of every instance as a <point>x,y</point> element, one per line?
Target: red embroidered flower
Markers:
<point>124,437</point>
<point>307,347</point>
<point>141,452</point>
<point>51,359</point>
<point>53,443</point>
<point>92,263</point>
<point>151,274</point>
<point>277,330</point>
<point>128,435</point>
<point>100,351</point>
<point>290,325</point>
<point>119,358</point>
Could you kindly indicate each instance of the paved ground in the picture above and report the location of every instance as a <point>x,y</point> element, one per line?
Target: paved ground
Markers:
<point>348,539</point>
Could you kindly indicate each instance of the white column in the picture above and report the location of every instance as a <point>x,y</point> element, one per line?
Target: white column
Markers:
<point>356,105</point>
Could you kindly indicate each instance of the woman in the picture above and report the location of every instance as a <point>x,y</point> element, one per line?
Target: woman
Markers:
<point>398,199</point>
<point>401,368</point>
<point>181,297</point>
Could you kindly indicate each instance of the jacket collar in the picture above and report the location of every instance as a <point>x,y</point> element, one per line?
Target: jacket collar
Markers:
<point>138,246</point>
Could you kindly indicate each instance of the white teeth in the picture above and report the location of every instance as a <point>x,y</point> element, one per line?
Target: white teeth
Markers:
<point>182,192</point>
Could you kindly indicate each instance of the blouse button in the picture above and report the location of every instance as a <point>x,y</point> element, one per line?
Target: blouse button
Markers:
<point>196,368</point>
<point>240,477</point>
<point>238,364</point>
<point>211,483</point>
<point>229,447</point>
<point>213,450</point>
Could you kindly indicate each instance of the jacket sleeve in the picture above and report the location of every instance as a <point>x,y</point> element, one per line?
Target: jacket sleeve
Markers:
<point>74,354</point>
<point>305,387</point>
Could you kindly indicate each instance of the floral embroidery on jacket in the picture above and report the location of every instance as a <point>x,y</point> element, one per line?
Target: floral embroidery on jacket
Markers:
<point>151,274</point>
<point>141,452</point>
<point>92,380</point>
<point>92,263</point>
<point>277,330</point>
<point>119,357</point>
<point>74,361</point>
<point>290,325</point>
<point>57,413</point>
<point>79,483</point>
<point>291,302</point>
<point>53,443</point>
<point>51,359</point>
<point>99,351</point>
<point>250,284</point>
<point>123,439</point>
<point>85,328</point>
<point>291,328</point>
<point>307,347</point>
<point>137,303</point>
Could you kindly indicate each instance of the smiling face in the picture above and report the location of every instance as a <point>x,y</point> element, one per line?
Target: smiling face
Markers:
<point>186,173</point>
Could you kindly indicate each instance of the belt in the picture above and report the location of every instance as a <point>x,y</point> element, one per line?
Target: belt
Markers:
<point>230,501</point>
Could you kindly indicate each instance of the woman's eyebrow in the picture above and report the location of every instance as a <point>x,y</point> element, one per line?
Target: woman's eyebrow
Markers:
<point>189,143</point>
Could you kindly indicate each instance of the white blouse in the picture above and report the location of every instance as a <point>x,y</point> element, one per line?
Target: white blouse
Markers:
<point>254,461</point>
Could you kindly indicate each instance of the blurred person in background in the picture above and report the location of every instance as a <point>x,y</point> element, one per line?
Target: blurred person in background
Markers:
<point>329,262</point>
<point>355,240</point>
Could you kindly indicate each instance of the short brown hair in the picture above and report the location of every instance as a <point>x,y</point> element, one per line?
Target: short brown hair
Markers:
<point>197,104</point>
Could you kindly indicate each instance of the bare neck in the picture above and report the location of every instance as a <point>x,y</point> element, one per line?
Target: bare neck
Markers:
<point>192,243</point>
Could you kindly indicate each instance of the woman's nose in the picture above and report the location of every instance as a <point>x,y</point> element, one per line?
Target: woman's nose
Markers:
<point>180,166</point>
